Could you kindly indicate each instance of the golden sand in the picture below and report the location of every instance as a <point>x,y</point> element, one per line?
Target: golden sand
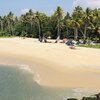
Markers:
<point>56,63</point>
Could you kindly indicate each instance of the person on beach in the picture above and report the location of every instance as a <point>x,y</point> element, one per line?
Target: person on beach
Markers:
<point>72,44</point>
<point>65,40</point>
<point>68,42</point>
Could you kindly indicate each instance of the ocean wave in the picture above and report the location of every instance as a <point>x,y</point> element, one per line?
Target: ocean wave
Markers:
<point>78,92</point>
<point>84,92</point>
<point>26,68</point>
<point>36,78</point>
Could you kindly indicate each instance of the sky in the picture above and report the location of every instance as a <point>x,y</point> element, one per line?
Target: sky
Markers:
<point>19,7</point>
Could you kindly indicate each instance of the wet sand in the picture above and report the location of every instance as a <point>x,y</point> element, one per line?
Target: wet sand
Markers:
<point>56,64</point>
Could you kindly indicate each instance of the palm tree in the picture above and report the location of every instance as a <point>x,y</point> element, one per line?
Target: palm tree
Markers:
<point>38,21</point>
<point>76,26</point>
<point>5,23</point>
<point>25,20</point>
<point>67,20</point>
<point>76,20</point>
<point>59,16</point>
<point>10,22</point>
<point>28,21</point>
<point>96,20</point>
<point>31,17</point>
<point>41,20</point>
<point>1,23</point>
<point>86,18</point>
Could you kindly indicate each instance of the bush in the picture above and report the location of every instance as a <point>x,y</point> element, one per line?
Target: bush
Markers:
<point>89,98</point>
<point>24,34</point>
<point>72,99</point>
<point>2,33</point>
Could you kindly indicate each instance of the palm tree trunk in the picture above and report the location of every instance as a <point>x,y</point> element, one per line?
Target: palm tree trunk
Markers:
<point>1,26</point>
<point>9,28</point>
<point>84,35</point>
<point>67,30</point>
<point>40,38</point>
<point>31,27</point>
<point>58,32</point>
<point>26,27</point>
<point>58,29</point>
<point>12,30</point>
<point>75,33</point>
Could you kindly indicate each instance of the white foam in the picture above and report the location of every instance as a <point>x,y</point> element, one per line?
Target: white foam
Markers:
<point>26,68</point>
<point>6,64</point>
<point>81,91</point>
<point>78,92</point>
<point>36,76</point>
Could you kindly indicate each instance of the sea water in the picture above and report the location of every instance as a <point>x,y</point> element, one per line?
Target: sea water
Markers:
<point>22,83</point>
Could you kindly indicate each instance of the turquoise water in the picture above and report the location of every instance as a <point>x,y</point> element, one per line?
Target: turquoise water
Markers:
<point>22,84</point>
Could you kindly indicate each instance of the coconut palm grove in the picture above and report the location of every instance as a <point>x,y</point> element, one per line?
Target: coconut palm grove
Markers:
<point>80,24</point>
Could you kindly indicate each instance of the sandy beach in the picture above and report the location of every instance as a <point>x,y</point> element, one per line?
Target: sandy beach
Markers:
<point>55,63</point>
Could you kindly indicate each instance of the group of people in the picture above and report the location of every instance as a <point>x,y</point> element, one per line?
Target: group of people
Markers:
<point>71,43</point>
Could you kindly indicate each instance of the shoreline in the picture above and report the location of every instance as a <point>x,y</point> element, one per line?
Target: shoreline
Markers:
<point>57,65</point>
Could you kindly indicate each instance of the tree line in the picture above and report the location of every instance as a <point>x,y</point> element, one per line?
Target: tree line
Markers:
<point>83,24</point>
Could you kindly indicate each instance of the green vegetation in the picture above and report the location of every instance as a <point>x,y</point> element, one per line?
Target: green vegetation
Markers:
<point>72,99</point>
<point>90,46</point>
<point>7,36</point>
<point>79,24</point>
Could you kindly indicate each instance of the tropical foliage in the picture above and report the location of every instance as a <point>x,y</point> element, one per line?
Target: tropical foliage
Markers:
<point>84,24</point>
